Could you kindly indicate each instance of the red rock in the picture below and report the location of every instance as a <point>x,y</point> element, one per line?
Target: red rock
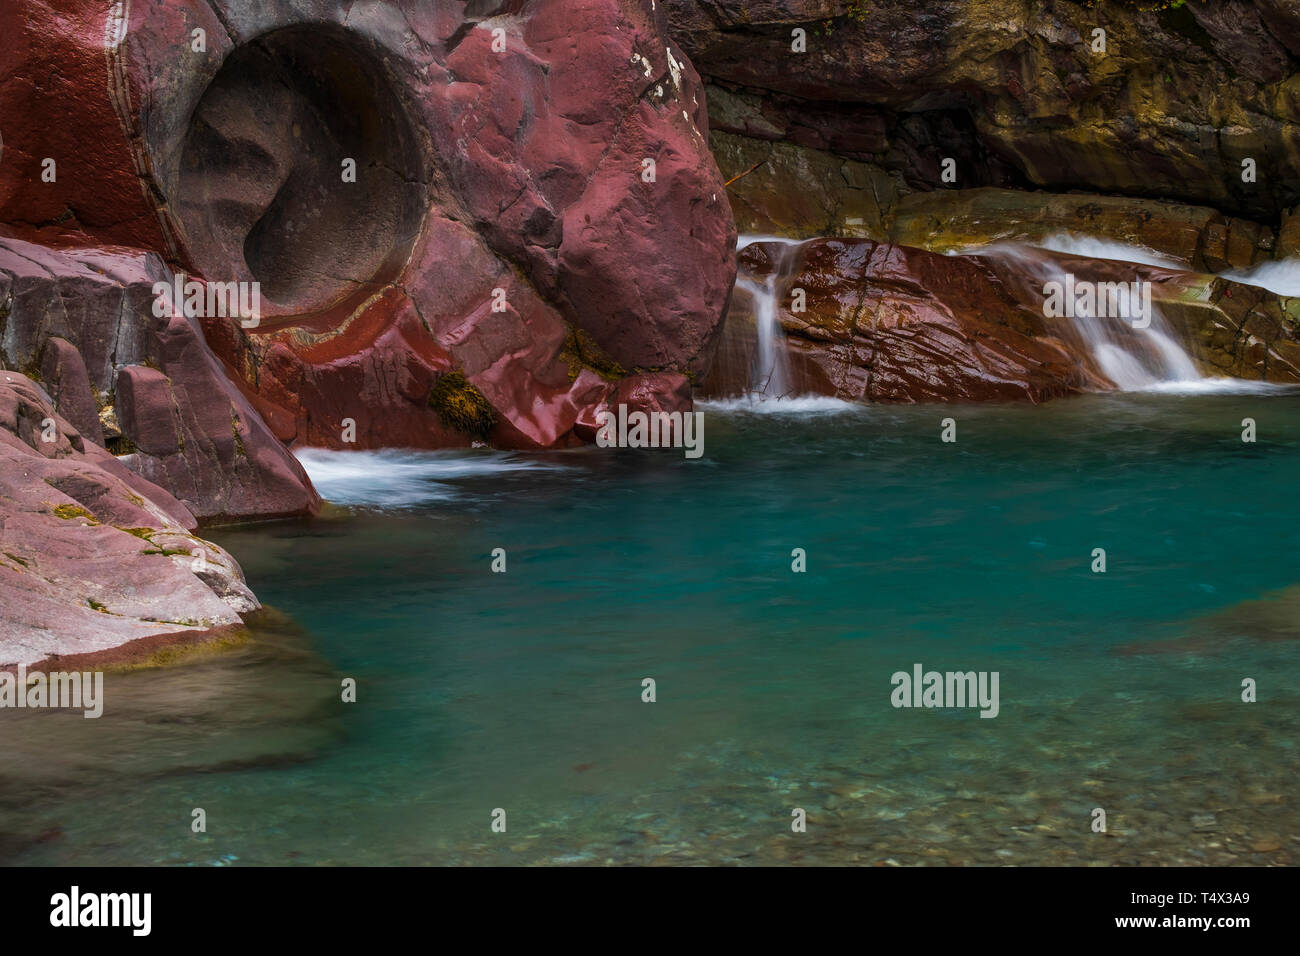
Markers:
<point>891,323</point>
<point>478,170</point>
<point>94,558</point>
<point>147,411</point>
<point>657,392</point>
<point>65,376</point>
<point>85,317</point>
<point>56,103</point>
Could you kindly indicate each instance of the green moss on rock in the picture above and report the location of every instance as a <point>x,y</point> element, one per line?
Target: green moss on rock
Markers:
<point>68,512</point>
<point>239,439</point>
<point>461,406</point>
<point>581,351</point>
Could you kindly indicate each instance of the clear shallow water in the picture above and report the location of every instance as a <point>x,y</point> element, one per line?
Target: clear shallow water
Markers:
<point>523,690</point>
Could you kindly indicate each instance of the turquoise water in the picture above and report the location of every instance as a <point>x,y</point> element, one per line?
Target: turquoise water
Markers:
<point>523,690</point>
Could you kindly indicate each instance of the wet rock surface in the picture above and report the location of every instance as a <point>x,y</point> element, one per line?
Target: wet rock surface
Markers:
<point>1017,94</point>
<point>872,321</point>
<point>890,323</point>
<point>439,208</point>
<point>1176,131</point>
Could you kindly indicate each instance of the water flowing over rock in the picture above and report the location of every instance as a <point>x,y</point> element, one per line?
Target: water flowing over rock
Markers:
<point>889,323</point>
<point>1133,351</point>
<point>451,220</point>
<point>486,221</point>
<point>771,374</point>
<point>1227,327</point>
<point>881,322</point>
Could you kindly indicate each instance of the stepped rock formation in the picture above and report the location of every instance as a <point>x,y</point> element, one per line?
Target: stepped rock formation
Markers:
<point>895,324</point>
<point>82,321</point>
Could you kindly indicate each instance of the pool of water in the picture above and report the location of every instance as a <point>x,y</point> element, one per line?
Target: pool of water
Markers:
<point>522,691</point>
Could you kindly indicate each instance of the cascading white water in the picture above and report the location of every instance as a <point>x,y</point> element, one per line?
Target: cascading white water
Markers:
<point>1281,276</point>
<point>1092,247</point>
<point>1134,359</point>
<point>771,375</point>
<point>1112,341</point>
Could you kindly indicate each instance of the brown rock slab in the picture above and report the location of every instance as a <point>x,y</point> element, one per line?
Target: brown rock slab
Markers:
<point>895,324</point>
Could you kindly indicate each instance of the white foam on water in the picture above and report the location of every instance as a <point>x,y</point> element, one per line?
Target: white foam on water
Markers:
<point>1133,359</point>
<point>1073,244</point>
<point>1220,386</point>
<point>1281,277</point>
<point>795,405</point>
<point>403,478</point>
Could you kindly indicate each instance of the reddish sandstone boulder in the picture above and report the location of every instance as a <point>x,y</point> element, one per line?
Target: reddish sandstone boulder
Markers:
<point>92,556</point>
<point>83,320</point>
<point>419,189</point>
<point>64,372</point>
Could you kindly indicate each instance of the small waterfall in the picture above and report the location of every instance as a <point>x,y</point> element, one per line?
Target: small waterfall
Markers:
<point>1091,247</point>
<point>771,375</point>
<point>1281,276</point>
<point>1133,359</point>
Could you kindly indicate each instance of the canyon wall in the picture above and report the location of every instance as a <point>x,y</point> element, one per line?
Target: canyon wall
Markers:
<point>951,125</point>
<point>1167,105</point>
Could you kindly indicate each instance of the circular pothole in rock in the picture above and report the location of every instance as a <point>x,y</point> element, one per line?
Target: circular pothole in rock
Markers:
<point>265,192</point>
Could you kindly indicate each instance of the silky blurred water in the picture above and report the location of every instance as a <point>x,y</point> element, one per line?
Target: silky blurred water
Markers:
<point>523,690</point>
